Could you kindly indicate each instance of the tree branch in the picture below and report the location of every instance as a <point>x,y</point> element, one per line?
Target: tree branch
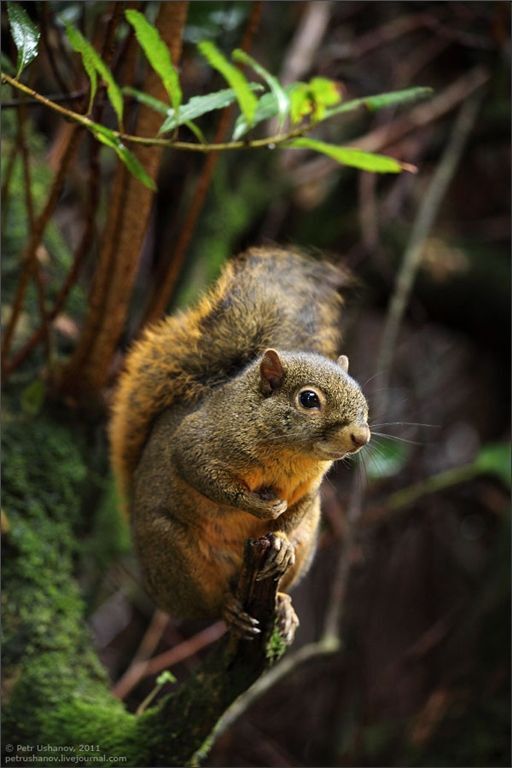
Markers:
<point>165,286</point>
<point>35,239</point>
<point>148,141</point>
<point>89,368</point>
<point>423,224</point>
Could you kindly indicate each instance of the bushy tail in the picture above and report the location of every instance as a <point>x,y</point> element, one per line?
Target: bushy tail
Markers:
<point>267,297</point>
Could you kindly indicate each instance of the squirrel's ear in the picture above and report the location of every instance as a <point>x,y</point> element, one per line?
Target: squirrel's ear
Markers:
<point>272,372</point>
<point>343,362</point>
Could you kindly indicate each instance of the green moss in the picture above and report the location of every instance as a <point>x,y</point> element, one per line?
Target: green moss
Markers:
<point>56,691</point>
<point>276,646</point>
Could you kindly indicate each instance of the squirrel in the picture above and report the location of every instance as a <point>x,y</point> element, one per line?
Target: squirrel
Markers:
<point>226,418</point>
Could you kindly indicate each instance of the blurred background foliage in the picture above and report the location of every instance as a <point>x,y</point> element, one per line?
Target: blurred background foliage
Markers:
<point>423,678</point>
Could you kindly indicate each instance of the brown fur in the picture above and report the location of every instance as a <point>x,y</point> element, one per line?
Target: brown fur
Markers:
<point>208,438</point>
<point>261,299</point>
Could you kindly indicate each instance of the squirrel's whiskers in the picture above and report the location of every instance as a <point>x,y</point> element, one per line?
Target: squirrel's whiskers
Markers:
<point>226,419</point>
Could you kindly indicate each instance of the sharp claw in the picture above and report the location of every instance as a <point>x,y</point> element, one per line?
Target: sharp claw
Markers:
<point>263,575</point>
<point>240,622</point>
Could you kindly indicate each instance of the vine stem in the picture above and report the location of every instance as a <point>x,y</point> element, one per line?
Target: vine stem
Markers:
<point>269,141</point>
<point>425,219</point>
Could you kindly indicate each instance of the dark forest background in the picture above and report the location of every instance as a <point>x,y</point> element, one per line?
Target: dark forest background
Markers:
<point>423,676</point>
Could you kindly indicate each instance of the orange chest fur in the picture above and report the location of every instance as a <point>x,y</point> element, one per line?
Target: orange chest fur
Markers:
<point>290,477</point>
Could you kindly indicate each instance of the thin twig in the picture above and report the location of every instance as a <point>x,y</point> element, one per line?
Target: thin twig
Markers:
<point>329,642</point>
<point>306,41</point>
<point>57,98</point>
<point>376,38</point>
<point>9,168</point>
<point>90,366</point>
<point>147,141</point>
<point>45,39</point>
<point>422,226</point>
<point>332,621</point>
<point>165,286</point>
<point>149,642</point>
<point>81,252</point>
<point>257,597</point>
<point>29,202</point>
<point>399,501</point>
<point>35,239</point>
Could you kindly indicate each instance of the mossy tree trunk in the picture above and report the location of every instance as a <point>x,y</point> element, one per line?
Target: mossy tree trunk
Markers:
<point>56,694</point>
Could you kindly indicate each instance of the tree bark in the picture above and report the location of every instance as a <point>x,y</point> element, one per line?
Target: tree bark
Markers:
<point>88,370</point>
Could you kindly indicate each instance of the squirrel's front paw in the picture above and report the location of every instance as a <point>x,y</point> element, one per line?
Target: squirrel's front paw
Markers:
<point>280,557</point>
<point>266,505</point>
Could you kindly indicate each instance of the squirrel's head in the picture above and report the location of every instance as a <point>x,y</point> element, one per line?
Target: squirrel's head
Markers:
<point>313,404</point>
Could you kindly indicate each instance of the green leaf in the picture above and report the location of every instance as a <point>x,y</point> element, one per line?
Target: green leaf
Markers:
<point>165,677</point>
<point>266,108</point>
<point>107,137</point>
<point>243,93</point>
<point>158,55</point>
<point>281,97</point>
<point>147,100</point>
<point>25,35</point>
<point>198,106</point>
<point>382,101</point>
<point>385,460</point>
<point>301,102</point>
<point>495,459</point>
<point>196,131</point>
<point>77,43</point>
<point>324,93</point>
<point>87,50</point>
<point>355,158</point>
<point>32,397</point>
<point>313,98</point>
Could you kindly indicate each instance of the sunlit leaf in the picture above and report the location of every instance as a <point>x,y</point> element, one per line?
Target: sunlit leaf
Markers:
<point>324,93</point>
<point>158,55</point>
<point>301,103</point>
<point>107,137</point>
<point>87,50</point>
<point>281,97</point>
<point>495,459</point>
<point>355,158</point>
<point>165,677</point>
<point>267,108</point>
<point>243,93</point>
<point>382,101</point>
<point>25,35</point>
<point>386,459</point>
<point>197,106</point>
<point>313,98</point>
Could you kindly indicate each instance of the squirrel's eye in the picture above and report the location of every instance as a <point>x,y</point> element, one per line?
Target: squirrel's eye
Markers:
<point>309,399</point>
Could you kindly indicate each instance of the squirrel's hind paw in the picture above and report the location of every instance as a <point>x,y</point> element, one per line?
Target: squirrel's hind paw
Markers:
<point>287,619</point>
<point>239,621</point>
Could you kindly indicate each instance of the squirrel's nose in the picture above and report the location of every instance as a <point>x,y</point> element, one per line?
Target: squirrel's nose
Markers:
<point>360,435</point>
